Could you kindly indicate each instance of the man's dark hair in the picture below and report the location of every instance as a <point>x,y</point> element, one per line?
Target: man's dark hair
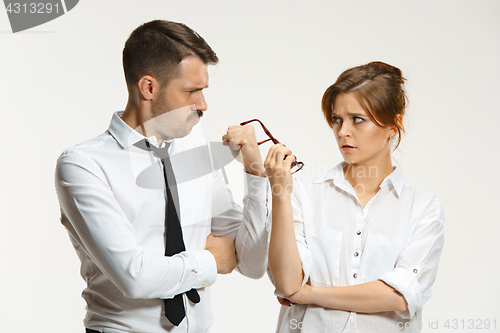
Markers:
<point>156,48</point>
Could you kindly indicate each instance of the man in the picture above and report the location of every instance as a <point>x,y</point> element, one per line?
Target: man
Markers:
<point>143,186</point>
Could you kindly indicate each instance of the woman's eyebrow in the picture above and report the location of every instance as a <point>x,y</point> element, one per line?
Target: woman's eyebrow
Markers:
<point>356,114</point>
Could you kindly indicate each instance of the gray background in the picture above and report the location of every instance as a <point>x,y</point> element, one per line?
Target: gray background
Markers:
<point>60,83</point>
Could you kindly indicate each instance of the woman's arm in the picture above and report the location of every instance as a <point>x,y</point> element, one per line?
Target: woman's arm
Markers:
<point>370,297</point>
<point>285,265</point>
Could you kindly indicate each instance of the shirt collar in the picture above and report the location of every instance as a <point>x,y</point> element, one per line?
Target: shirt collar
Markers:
<point>125,135</point>
<point>336,174</point>
<point>396,179</point>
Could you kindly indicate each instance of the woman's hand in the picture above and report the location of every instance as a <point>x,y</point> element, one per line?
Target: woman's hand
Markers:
<point>277,165</point>
<point>284,301</point>
<point>300,297</point>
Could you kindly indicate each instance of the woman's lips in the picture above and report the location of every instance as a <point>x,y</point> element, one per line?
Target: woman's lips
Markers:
<point>347,148</point>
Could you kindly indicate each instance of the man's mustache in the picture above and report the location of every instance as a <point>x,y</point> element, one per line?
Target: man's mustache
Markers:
<point>200,113</point>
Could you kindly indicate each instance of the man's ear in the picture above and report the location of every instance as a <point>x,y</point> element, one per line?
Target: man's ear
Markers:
<point>148,87</point>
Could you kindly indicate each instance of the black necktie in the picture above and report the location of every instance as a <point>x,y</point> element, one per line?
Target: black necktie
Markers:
<point>174,307</point>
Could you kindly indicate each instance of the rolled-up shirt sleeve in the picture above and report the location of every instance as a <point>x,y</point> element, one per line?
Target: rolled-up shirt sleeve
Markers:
<point>416,267</point>
<point>96,221</point>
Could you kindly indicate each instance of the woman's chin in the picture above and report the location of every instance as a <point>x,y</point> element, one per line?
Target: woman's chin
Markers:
<point>350,160</point>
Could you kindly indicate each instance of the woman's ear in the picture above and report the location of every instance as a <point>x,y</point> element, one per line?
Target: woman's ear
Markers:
<point>399,123</point>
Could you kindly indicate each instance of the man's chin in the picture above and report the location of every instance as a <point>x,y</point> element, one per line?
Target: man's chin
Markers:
<point>182,134</point>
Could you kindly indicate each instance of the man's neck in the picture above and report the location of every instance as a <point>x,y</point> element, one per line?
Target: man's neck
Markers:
<point>133,116</point>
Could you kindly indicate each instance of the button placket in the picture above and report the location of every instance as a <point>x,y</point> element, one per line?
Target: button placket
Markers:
<point>356,244</point>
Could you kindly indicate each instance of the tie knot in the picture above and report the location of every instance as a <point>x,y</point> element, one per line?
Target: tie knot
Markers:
<point>161,153</point>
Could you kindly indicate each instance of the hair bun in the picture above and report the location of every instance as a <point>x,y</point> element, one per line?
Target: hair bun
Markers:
<point>382,67</point>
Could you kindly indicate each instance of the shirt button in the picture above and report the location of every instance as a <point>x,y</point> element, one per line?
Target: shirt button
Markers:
<point>415,271</point>
<point>204,284</point>
<point>355,276</point>
<point>358,232</point>
<point>190,310</point>
<point>356,254</point>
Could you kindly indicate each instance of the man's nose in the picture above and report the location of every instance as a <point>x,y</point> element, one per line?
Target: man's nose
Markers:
<point>201,104</point>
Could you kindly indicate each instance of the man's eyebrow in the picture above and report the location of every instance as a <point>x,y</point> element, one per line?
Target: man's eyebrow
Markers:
<point>197,88</point>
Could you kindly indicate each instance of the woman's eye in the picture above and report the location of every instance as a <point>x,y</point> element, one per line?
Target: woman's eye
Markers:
<point>337,119</point>
<point>357,120</point>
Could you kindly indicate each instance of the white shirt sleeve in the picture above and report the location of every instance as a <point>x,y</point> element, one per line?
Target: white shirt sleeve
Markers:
<point>247,227</point>
<point>95,219</point>
<point>416,266</point>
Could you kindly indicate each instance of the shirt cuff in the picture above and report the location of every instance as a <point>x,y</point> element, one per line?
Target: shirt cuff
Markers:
<point>405,282</point>
<point>204,267</point>
<point>255,187</point>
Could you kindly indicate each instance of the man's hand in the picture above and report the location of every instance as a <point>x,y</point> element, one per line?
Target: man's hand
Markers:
<point>222,248</point>
<point>242,138</point>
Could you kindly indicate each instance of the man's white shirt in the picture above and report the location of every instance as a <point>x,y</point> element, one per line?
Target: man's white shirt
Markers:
<point>112,199</point>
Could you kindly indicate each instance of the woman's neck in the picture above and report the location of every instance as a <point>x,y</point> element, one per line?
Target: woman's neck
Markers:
<point>366,178</point>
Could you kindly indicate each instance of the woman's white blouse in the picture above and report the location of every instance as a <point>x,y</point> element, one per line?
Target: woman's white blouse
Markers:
<point>397,238</point>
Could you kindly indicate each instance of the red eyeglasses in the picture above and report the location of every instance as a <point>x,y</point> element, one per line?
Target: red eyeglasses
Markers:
<point>296,166</point>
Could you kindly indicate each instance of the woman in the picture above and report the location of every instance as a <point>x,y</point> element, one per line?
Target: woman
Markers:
<point>356,249</point>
